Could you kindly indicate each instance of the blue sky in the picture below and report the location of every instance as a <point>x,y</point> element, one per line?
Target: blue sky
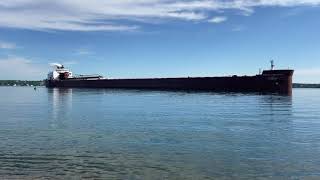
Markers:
<point>159,38</point>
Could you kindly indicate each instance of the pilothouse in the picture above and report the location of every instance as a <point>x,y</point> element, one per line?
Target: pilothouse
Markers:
<point>60,73</point>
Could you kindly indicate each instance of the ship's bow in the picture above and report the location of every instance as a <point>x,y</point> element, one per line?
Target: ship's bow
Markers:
<point>279,81</point>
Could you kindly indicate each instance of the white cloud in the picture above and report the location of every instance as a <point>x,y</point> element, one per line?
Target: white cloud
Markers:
<point>13,67</point>
<point>120,15</point>
<point>308,72</point>
<point>238,28</point>
<point>218,19</point>
<point>83,52</point>
<point>7,45</point>
<point>70,63</point>
<point>309,75</point>
<point>64,63</point>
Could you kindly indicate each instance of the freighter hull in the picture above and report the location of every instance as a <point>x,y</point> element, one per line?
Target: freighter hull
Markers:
<point>273,81</point>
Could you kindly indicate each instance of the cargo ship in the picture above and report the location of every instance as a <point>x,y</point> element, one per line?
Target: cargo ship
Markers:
<point>269,81</point>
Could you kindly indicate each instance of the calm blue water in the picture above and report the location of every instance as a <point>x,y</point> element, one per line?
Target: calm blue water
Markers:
<point>127,134</point>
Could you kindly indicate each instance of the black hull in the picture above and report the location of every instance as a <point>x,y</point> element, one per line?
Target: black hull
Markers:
<point>276,81</point>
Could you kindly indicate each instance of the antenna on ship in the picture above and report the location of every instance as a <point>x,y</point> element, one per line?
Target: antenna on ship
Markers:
<point>272,64</point>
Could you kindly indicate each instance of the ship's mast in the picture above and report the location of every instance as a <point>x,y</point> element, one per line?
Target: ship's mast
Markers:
<point>272,64</point>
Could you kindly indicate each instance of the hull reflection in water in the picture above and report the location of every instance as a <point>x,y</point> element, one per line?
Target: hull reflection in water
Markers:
<point>61,105</point>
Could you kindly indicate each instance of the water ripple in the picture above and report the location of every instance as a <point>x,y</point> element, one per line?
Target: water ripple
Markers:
<point>129,134</point>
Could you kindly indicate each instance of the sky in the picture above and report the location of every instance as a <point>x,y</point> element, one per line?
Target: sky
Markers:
<point>159,38</point>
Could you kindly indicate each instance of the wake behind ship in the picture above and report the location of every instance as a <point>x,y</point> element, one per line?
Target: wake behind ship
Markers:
<point>269,81</point>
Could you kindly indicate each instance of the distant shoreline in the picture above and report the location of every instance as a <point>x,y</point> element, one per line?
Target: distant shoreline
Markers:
<point>305,85</point>
<point>20,83</point>
<point>41,83</point>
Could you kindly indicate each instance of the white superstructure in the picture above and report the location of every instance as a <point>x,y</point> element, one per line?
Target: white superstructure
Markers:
<point>59,72</point>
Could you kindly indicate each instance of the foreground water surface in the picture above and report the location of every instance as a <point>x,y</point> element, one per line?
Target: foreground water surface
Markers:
<point>130,134</point>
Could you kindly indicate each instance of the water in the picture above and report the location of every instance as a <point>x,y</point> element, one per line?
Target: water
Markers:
<point>128,134</point>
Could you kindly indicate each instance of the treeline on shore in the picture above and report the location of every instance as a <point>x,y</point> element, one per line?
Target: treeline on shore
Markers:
<point>20,83</point>
<point>302,85</point>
